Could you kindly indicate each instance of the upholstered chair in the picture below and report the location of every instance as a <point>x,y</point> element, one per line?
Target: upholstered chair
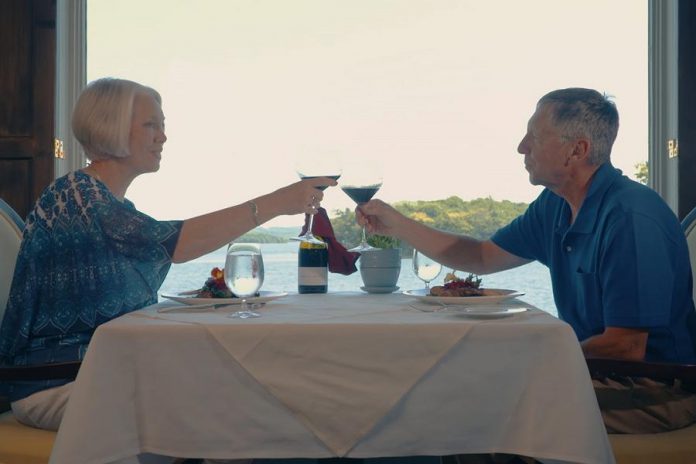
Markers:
<point>20,444</point>
<point>678,446</point>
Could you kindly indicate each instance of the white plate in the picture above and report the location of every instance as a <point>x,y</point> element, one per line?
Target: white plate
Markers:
<point>497,295</point>
<point>192,300</point>
<point>483,313</point>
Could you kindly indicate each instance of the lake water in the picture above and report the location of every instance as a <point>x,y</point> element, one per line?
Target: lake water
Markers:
<point>280,263</point>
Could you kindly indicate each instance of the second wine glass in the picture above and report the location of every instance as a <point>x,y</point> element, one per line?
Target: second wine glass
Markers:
<point>244,275</point>
<point>425,268</point>
<point>361,183</point>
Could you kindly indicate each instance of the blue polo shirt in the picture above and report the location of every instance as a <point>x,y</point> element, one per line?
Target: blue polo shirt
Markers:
<point>624,262</point>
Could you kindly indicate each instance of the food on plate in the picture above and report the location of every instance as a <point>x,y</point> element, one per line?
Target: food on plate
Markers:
<point>454,286</point>
<point>214,286</point>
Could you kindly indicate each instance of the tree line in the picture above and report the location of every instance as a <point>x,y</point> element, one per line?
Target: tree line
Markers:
<point>478,218</point>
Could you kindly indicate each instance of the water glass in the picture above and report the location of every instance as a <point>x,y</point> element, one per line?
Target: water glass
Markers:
<point>425,268</point>
<point>244,275</point>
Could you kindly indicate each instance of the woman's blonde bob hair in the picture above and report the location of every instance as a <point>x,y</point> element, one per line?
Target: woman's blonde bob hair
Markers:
<point>102,116</point>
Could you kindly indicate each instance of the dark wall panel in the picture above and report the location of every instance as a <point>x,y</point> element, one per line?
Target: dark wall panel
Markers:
<point>27,99</point>
<point>15,72</point>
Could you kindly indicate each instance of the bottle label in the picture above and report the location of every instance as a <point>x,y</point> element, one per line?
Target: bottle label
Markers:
<point>312,275</point>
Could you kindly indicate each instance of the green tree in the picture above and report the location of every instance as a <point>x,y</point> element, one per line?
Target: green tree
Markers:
<point>642,172</point>
<point>347,231</point>
<point>260,237</point>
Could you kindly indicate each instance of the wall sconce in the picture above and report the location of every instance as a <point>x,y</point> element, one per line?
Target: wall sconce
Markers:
<point>58,149</point>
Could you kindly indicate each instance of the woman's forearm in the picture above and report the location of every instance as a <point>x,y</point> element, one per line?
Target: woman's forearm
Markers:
<point>208,232</point>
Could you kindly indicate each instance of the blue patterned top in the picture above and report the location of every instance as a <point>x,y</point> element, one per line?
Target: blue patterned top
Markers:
<point>85,259</point>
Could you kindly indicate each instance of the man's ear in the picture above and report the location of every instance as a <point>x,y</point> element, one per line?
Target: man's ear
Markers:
<point>581,149</point>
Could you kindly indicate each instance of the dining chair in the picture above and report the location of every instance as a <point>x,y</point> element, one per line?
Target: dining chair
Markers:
<point>21,444</point>
<point>677,446</point>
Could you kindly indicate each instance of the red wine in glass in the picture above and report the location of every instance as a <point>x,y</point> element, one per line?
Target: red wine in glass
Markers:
<point>361,195</point>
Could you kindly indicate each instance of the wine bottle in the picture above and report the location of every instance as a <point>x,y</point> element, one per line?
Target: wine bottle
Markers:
<point>312,268</point>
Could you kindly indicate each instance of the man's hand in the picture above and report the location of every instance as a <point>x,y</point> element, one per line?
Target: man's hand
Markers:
<point>380,218</point>
<point>617,342</point>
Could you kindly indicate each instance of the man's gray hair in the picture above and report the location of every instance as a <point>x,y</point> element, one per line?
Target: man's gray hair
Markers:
<point>586,113</point>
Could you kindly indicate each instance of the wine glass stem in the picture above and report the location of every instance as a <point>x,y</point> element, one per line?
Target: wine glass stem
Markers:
<point>364,237</point>
<point>309,225</point>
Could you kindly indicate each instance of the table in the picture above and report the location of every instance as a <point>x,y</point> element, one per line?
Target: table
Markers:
<point>341,374</point>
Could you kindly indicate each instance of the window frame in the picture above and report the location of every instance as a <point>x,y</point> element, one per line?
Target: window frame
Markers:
<point>663,98</point>
<point>71,78</point>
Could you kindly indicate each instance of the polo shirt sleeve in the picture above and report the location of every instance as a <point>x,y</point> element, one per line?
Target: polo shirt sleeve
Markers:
<point>527,235</point>
<point>637,271</point>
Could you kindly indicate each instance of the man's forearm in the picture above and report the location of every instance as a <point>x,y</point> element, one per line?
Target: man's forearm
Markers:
<point>451,250</point>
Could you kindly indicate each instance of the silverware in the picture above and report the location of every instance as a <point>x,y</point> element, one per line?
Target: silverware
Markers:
<point>189,292</point>
<point>188,308</point>
<point>201,307</point>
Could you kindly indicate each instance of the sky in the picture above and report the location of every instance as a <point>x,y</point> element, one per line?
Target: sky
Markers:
<point>435,94</point>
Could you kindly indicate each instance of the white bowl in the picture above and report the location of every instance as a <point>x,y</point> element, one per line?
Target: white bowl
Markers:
<point>380,276</point>
<point>381,258</point>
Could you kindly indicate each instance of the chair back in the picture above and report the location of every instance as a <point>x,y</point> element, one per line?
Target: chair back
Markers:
<point>11,227</point>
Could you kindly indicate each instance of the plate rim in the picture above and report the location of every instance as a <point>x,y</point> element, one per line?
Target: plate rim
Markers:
<point>475,312</point>
<point>264,295</point>
<point>464,300</point>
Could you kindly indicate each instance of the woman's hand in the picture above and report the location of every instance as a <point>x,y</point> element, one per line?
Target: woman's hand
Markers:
<point>379,218</point>
<point>301,197</point>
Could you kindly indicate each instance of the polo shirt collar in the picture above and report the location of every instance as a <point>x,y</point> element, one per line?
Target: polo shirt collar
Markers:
<point>602,180</point>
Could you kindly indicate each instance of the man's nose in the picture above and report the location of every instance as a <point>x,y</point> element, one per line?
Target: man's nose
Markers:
<point>522,147</point>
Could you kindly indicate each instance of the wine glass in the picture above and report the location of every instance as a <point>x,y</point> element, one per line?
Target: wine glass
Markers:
<point>425,268</point>
<point>244,275</point>
<point>361,183</point>
<point>310,168</point>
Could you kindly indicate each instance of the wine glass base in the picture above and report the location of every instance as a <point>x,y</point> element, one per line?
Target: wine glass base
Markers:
<point>307,239</point>
<point>363,247</point>
<point>245,314</point>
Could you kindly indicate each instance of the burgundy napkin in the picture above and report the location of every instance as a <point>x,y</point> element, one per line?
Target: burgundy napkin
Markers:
<point>341,260</point>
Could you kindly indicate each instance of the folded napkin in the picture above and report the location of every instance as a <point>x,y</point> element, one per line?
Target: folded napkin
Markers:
<point>341,260</point>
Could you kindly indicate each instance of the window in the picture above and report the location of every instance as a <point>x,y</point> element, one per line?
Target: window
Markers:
<point>438,91</point>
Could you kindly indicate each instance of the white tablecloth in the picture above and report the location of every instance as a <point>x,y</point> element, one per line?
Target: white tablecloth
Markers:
<point>342,374</point>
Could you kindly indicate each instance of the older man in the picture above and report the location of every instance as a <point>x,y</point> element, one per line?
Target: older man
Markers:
<point>618,259</point>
